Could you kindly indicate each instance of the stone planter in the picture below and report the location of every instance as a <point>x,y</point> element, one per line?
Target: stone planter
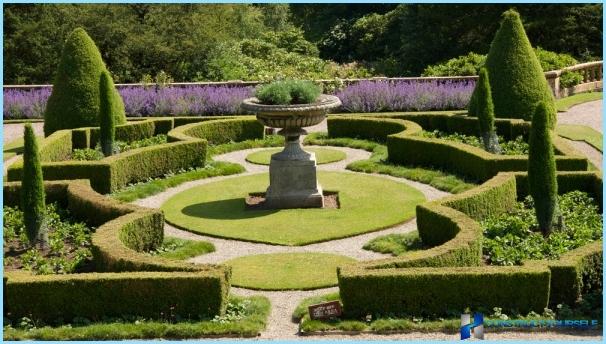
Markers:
<point>292,172</point>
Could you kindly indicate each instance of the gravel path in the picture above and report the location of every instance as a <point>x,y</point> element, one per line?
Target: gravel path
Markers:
<point>13,131</point>
<point>588,151</point>
<point>589,114</point>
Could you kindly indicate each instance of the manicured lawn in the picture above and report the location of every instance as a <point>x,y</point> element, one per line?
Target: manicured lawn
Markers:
<point>395,244</point>
<point>15,147</point>
<point>581,133</point>
<point>247,323</point>
<point>563,104</point>
<point>323,155</point>
<point>287,271</point>
<point>368,203</point>
<point>377,164</point>
<point>181,249</point>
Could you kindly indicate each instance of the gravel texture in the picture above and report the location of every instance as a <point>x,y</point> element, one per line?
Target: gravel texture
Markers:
<point>13,131</point>
<point>589,114</point>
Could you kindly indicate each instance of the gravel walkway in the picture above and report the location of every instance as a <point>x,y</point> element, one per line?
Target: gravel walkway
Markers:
<point>589,114</point>
<point>13,131</point>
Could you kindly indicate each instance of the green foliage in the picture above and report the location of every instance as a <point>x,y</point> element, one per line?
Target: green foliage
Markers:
<point>517,81</point>
<point>251,319</point>
<point>88,154</point>
<point>392,292</point>
<point>75,100</point>
<point>107,128</point>
<point>32,194</point>
<point>485,108</point>
<point>542,181</point>
<point>395,244</point>
<point>68,243</point>
<point>181,249</point>
<point>288,92</point>
<point>569,79</point>
<point>513,147</point>
<point>469,64</point>
<point>510,239</point>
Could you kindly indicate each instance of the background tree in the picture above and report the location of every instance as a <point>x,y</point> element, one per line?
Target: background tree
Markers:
<point>74,101</point>
<point>542,181</point>
<point>485,111</point>
<point>32,190</point>
<point>107,127</point>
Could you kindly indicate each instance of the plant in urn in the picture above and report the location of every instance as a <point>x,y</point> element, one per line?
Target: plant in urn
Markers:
<point>291,106</point>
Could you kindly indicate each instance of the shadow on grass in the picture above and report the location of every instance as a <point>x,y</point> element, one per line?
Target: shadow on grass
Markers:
<point>227,209</point>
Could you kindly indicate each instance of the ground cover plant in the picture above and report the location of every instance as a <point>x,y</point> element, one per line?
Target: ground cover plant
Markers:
<point>581,133</point>
<point>395,244</point>
<point>68,249</point>
<point>287,271</point>
<point>287,92</point>
<point>378,164</point>
<point>512,237</point>
<point>90,154</point>
<point>518,146</point>
<point>244,317</point>
<point>323,155</point>
<point>182,249</point>
<point>218,209</point>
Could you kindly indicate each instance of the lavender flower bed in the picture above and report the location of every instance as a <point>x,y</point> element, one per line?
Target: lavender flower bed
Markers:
<point>139,101</point>
<point>365,96</point>
<point>378,96</point>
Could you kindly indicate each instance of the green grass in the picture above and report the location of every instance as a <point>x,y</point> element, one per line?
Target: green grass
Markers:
<point>249,324</point>
<point>581,133</point>
<point>563,104</point>
<point>323,155</point>
<point>267,141</point>
<point>377,164</point>
<point>155,186</point>
<point>181,249</point>
<point>15,147</point>
<point>287,271</point>
<point>367,202</point>
<point>395,244</point>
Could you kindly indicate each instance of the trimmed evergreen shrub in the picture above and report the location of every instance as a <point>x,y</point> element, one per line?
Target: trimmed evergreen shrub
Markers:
<point>74,101</point>
<point>32,193</point>
<point>288,92</point>
<point>486,114</point>
<point>107,128</point>
<point>517,81</point>
<point>542,181</point>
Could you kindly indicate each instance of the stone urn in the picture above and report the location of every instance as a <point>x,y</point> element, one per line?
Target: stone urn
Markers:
<point>293,182</point>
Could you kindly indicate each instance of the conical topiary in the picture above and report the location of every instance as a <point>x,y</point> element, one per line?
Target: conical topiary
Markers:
<point>485,112</point>
<point>32,189</point>
<point>107,128</point>
<point>517,81</point>
<point>542,181</point>
<point>74,101</point>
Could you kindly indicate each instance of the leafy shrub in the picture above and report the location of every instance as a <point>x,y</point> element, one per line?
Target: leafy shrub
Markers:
<point>395,244</point>
<point>511,147</point>
<point>68,244</point>
<point>288,92</point>
<point>517,81</point>
<point>32,194</point>
<point>74,101</point>
<point>89,154</point>
<point>569,79</point>
<point>510,237</point>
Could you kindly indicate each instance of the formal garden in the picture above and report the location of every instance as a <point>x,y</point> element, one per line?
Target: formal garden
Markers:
<point>208,211</point>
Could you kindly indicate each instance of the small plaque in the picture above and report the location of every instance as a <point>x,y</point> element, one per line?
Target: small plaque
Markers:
<point>325,310</point>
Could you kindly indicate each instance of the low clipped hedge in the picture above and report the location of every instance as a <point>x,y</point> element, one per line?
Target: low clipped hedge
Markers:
<point>407,148</point>
<point>430,291</point>
<point>186,148</point>
<point>411,283</point>
<point>123,269</point>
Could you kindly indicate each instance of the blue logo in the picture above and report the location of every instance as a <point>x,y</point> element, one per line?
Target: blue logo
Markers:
<point>467,327</point>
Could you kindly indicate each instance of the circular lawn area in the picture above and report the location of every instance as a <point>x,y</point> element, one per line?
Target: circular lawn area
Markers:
<point>323,155</point>
<point>368,203</point>
<point>287,271</point>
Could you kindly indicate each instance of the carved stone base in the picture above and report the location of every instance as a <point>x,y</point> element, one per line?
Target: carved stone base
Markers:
<point>293,183</point>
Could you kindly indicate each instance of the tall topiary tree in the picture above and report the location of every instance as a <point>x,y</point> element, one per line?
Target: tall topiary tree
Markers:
<point>517,81</point>
<point>107,127</point>
<point>543,184</point>
<point>32,190</point>
<point>486,114</point>
<point>74,101</point>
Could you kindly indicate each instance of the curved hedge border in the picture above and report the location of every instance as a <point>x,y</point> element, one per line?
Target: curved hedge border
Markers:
<point>124,231</point>
<point>111,173</point>
<point>408,148</point>
<point>448,273</point>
